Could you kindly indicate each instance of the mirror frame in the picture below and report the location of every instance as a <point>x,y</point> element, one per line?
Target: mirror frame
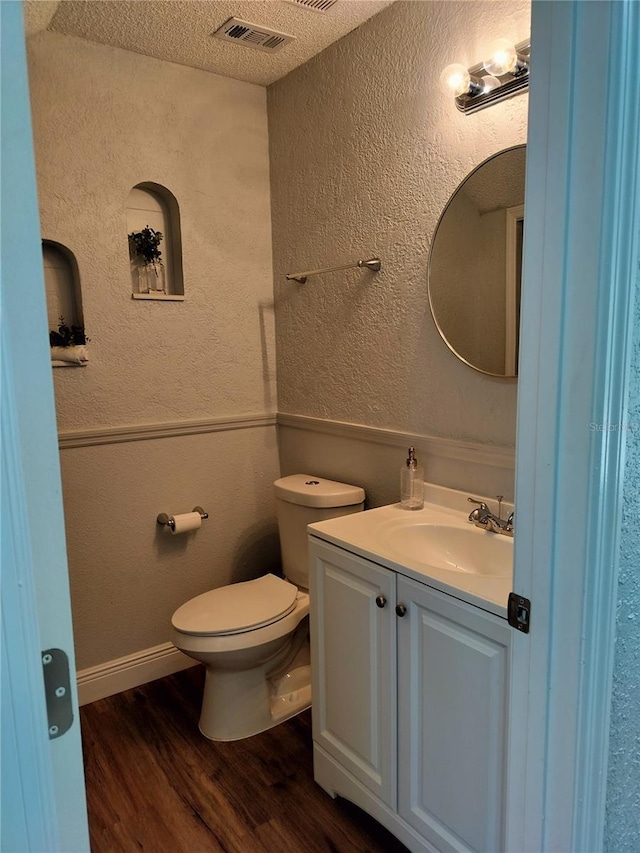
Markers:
<point>435,234</point>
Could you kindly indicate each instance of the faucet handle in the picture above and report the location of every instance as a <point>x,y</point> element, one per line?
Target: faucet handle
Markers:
<point>481,504</point>
<point>479,512</point>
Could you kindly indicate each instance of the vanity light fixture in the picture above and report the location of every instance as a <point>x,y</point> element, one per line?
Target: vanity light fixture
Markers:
<point>503,74</point>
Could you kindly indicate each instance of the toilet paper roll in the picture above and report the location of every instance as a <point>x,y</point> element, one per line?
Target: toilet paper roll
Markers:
<point>186,521</point>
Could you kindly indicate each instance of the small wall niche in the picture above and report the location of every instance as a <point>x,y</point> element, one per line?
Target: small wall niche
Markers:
<point>64,298</point>
<point>152,206</point>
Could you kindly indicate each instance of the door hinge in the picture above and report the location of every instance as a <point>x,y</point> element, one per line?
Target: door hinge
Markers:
<point>57,691</point>
<point>519,612</point>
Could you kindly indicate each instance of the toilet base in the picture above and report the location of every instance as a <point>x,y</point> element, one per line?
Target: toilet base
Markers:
<point>239,705</point>
<point>292,695</point>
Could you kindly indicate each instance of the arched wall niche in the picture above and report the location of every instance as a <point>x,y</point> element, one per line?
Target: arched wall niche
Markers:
<point>62,285</point>
<point>154,206</point>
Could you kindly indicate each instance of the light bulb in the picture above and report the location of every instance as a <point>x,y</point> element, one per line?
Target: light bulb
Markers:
<point>455,79</point>
<point>503,58</point>
<point>489,84</point>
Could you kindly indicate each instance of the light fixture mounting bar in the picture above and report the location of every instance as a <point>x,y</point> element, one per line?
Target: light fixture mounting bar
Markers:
<point>510,84</point>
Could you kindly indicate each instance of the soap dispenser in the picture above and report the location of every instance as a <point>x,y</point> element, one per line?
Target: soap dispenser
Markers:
<point>412,483</point>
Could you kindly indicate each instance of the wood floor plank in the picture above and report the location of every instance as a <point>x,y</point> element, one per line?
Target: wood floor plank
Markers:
<point>155,784</point>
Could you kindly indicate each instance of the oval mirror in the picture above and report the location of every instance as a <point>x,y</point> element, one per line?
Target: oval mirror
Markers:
<point>475,265</point>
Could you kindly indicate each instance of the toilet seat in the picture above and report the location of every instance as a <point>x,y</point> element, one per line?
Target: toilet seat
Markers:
<point>215,643</point>
<point>236,608</point>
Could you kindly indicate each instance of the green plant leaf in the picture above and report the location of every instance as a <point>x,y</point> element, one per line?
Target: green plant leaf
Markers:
<point>145,245</point>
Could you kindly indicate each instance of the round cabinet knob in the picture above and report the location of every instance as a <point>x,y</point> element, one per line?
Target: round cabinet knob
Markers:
<point>381,600</point>
<point>401,609</point>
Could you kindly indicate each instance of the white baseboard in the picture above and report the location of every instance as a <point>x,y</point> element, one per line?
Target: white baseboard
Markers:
<point>114,676</point>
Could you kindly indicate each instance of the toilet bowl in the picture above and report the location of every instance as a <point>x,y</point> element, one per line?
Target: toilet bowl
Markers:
<point>253,637</point>
<point>242,633</point>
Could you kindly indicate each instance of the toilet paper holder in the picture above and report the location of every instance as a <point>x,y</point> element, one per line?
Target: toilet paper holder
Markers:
<point>168,521</point>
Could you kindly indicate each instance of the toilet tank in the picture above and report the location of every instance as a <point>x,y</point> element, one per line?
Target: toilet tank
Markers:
<point>302,499</point>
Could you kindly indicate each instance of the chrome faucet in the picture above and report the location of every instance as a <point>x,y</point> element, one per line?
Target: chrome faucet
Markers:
<point>482,517</point>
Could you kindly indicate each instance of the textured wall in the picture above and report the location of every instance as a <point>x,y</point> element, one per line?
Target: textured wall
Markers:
<point>105,120</point>
<point>622,833</point>
<point>365,153</point>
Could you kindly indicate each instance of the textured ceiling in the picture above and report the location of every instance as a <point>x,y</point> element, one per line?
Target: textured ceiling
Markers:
<point>181,30</point>
<point>38,14</point>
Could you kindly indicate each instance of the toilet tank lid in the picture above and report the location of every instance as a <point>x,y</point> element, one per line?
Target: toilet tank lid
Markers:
<point>237,607</point>
<point>306,490</point>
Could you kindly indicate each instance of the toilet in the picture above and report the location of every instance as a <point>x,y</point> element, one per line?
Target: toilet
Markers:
<point>253,637</point>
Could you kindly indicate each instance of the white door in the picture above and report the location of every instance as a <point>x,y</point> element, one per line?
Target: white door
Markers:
<point>354,665</point>
<point>43,801</point>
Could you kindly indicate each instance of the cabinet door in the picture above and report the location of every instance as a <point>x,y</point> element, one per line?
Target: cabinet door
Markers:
<point>353,665</point>
<point>452,712</point>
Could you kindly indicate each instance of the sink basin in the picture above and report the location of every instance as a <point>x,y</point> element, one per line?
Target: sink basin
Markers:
<point>453,548</point>
<point>436,543</point>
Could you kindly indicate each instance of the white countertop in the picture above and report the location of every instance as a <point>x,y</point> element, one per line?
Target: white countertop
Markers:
<point>363,533</point>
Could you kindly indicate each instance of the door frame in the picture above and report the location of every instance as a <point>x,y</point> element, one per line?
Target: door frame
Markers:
<point>580,266</point>
<point>513,277</point>
<point>43,796</point>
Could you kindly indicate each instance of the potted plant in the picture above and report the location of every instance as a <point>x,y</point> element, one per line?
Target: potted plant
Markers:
<point>67,336</point>
<point>146,259</point>
<point>68,343</point>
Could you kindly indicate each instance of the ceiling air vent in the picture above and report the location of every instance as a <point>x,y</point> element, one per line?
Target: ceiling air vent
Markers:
<point>316,5</point>
<point>251,35</point>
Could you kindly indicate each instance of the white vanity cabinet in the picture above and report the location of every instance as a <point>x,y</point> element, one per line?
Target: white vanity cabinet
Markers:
<point>353,663</point>
<point>410,694</point>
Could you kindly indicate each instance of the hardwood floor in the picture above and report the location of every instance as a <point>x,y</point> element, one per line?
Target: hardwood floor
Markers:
<point>154,783</point>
